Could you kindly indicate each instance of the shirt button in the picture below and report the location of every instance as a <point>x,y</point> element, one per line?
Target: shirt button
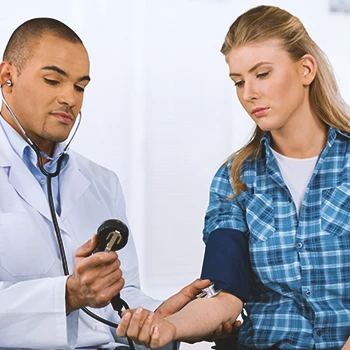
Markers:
<point>299,245</point>
<point>308,293</point>
<point>42,181</point>
<point>319,332</point>
<point>94,327</point>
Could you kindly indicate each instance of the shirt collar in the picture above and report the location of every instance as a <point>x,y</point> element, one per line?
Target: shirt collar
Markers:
<point>16,141</point>
<point>266,139</point>
<point>24,151</point>
<point>332,134</point>
<point>343,133</point>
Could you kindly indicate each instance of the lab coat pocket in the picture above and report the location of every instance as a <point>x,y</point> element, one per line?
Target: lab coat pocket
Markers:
<point>335,211</point>
<point>260,217</point>
<point>22,250</point>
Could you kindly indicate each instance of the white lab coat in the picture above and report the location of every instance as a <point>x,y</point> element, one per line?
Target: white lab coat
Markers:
<point>32,285</point>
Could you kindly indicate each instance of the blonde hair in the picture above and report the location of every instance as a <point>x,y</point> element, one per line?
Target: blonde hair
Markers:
<point>268,22</point>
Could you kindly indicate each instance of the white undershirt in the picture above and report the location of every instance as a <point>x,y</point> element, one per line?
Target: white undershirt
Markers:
<point>296,173</point>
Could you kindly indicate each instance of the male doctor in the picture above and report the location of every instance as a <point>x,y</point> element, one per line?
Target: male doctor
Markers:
<point>44,73</point>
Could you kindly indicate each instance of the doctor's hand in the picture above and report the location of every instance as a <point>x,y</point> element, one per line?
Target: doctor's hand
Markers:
<point>178,300</point>
<point>96,278</point>
<point>146,328</point>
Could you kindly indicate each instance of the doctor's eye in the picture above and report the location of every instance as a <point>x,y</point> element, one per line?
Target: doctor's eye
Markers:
<point>79,88</point>
<point>51,82</point>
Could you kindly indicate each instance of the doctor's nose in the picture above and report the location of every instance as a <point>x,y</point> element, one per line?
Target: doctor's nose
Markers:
<point>68,97</point>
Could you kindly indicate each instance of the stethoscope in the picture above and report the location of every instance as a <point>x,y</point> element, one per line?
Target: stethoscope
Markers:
<point>49,175</point>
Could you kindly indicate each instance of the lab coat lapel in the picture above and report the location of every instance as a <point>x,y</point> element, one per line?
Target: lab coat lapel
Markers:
<point>22,179</point>
<point>29,190</point>
<point>73,184</point>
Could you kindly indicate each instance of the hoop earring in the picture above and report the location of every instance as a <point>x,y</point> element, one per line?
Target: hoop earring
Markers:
<point>9,82</point>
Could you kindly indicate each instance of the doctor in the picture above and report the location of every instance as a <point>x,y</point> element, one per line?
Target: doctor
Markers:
<point>44,73</point>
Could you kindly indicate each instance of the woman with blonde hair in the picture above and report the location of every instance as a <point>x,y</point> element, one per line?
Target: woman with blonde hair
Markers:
<point>283,200</point>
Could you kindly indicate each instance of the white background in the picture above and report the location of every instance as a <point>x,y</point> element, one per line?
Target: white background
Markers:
<point>161,111</point>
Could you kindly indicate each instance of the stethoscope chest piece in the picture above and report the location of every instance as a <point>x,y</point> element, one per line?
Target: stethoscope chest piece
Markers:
<point>209,292</point>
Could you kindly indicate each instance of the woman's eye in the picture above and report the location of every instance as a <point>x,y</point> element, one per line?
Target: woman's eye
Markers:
<point>239,83</point>
<point>263,75</point>
<point>51,82</point>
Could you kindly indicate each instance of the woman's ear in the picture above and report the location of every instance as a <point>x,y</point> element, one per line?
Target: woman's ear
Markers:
<point>309,69</point>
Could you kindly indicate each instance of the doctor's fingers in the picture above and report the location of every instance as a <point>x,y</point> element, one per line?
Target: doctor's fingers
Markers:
<point>191,290</point>
<point>162,334</point>
<point>110,291</point>
<point>87,248</point>
<point>97,261</point>
<point>97,265</point>
<point>100,295</point>
<point>107,270</point>
<point>146,334</point>
<point>136,324</point>
<point>151,331</point>
<point>103,259</point>
<point>96,280</point>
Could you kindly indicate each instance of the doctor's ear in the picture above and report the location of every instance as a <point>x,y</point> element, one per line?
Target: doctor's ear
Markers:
<point>309,69</point>
<point>6,74</point>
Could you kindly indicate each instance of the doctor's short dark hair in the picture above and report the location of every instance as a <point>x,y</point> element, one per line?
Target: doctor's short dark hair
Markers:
<point>19,47</point>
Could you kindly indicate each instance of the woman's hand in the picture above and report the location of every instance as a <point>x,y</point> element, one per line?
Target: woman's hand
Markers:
<point>346,345</point>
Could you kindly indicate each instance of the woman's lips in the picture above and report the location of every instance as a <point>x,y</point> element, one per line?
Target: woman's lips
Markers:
<point>260,111</point>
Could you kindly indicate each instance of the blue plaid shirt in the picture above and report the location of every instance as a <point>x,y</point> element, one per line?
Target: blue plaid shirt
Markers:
<point>300,295</point>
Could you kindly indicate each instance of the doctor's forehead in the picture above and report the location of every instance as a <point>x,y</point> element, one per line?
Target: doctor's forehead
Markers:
<point>24,39</point>
<point>51,51</point>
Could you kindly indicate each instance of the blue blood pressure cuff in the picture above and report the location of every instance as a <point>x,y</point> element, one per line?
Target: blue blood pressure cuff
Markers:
<point>226,262</point>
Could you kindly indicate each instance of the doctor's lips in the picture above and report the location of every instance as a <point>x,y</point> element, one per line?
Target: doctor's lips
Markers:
<point>63,116</point>
<point>260,111</point>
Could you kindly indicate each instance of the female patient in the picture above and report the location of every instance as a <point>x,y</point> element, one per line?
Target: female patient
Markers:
<point>287,191</point>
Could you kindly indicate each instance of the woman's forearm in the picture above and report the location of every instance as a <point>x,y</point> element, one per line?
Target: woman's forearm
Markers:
<point>201,317</point>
